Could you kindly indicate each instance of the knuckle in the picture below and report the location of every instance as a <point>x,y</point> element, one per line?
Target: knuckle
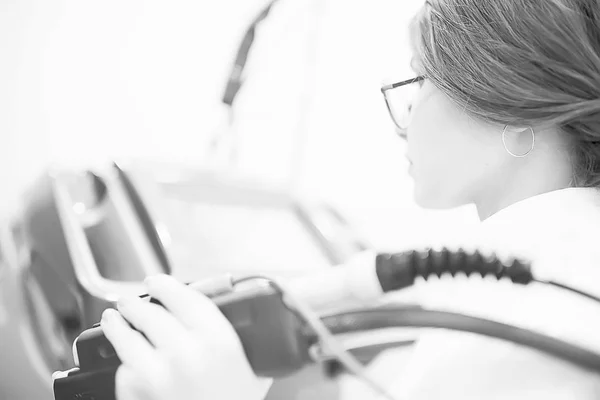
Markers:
<point>229,340</point>
<point>160,315</point>
<point>161,284</point>
<point>207,304</point>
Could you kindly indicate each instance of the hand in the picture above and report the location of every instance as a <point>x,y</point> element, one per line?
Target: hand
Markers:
<point>192,352</point>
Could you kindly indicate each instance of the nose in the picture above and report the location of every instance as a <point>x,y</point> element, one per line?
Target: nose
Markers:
<point>401,132</point>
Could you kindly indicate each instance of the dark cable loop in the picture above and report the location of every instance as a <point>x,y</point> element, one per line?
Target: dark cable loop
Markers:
<point>410,317</point>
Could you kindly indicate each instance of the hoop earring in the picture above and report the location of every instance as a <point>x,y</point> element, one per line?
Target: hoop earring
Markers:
<point>518,155</point>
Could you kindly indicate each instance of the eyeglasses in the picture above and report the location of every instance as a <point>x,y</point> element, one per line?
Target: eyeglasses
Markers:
<point>398,99</point>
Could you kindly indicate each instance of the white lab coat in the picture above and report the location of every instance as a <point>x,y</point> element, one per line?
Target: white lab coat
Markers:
<point>560,232</point>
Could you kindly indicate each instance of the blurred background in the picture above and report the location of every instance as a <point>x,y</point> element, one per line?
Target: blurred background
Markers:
<point>86,81</point>
<point>83,83</point>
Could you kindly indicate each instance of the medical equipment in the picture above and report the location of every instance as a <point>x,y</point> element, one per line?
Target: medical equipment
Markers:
<point>280,333</point>
<point>83,237</point>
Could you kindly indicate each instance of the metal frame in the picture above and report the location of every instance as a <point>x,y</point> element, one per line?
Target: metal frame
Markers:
<point>386,88</point>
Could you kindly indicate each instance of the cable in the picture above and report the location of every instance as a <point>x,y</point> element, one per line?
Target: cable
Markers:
<point>398,271</point>
<point>394,317</point>
<point>235,79</point>
<point>569,289</point>
<point>321,333</point>
<point>234,82</point>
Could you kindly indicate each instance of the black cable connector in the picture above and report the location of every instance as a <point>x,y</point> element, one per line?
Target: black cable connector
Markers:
<point>398,271</point>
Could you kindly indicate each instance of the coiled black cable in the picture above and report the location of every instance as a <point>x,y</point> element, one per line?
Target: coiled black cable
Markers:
<point>411,317</point>
<point>399,270</point>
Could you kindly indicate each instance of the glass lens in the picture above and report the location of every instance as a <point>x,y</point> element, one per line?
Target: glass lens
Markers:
<point>399,101</point>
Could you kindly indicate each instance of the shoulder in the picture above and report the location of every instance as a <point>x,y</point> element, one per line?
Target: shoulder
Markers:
<point>560,234</point>
<point>454,365</point>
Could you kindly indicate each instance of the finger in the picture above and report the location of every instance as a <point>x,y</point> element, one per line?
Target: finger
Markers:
<point>131,347</point>
<point>158,324</point>
<point>192,308</point>
<point>129,386</point>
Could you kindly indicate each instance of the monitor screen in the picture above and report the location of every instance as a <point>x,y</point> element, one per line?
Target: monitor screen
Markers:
<point>211,239</point>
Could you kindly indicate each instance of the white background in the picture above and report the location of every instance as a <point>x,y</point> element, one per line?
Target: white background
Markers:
<point>82,81</point>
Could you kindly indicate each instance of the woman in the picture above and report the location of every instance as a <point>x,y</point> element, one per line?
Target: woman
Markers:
<point>505,114</point>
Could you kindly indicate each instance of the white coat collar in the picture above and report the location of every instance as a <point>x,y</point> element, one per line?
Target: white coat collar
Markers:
<point>546,227</point>
<point>564,205</point>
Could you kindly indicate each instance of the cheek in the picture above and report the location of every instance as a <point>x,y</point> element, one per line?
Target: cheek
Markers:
<point>443,173</point>
<point>433,143</point>
<point>440,163</point>
<point>447,153</point>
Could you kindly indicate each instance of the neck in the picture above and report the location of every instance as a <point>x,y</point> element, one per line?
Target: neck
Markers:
<point>524,180</point>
